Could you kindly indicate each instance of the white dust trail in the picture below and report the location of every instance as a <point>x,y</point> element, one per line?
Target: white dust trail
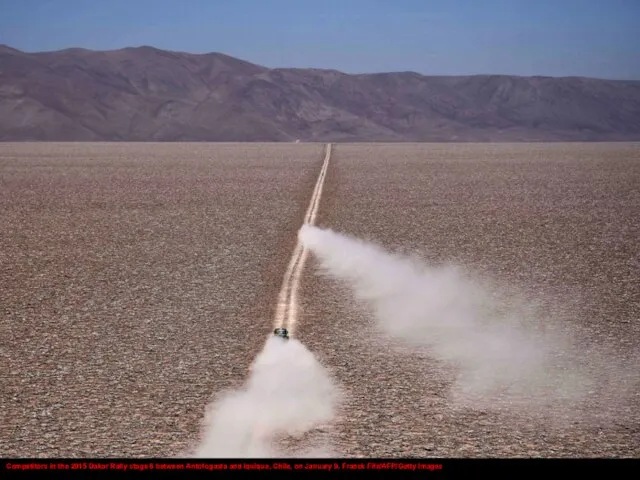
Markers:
<point>499,361</point>
<point>288,393</point>
<point>287,309</point>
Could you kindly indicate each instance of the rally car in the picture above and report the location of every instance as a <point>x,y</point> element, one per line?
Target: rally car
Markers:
<point>282,333</point>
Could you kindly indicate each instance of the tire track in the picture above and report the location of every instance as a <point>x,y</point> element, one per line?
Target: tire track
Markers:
<point>287,309</point>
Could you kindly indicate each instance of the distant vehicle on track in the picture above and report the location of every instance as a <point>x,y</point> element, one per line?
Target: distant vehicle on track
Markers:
<point>282,333</point>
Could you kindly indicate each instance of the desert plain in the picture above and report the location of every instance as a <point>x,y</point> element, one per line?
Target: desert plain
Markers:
<point>139,279</point>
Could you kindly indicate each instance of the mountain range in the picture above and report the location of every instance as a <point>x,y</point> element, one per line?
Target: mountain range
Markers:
<point>147,94</point>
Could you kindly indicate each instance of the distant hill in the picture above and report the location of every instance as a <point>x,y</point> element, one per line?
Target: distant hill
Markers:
<point>146,94</point>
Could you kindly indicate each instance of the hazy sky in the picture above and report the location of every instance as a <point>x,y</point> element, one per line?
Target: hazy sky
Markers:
<point>598,38</point>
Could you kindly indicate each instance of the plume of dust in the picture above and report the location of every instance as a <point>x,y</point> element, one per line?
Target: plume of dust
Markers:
<point>288,393</point>
<point>499,362</point>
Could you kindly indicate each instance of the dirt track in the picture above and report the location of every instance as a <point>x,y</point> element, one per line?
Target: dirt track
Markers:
<point>139,279</point>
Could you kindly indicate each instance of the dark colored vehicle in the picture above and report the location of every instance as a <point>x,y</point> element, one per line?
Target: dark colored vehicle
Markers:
<point>282,333</point>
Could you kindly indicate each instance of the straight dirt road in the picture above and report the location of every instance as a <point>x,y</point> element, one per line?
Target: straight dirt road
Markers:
<point>287,309</point>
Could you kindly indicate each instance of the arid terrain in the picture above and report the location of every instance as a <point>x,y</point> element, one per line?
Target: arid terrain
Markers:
<point>148,94</point>
<point>557,224</point>
<point>137,280</point>
<point>140,279</point>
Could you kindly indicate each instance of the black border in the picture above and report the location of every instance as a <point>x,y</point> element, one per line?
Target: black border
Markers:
<point>429,467</point>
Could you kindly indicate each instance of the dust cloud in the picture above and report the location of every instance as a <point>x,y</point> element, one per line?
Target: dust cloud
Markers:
<point>499,356</point>
<point>288,393</point>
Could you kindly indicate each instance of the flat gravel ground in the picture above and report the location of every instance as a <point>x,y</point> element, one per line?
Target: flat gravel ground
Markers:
<point>140,279</point>
<point>137,280</point>
<point>559,223</point>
